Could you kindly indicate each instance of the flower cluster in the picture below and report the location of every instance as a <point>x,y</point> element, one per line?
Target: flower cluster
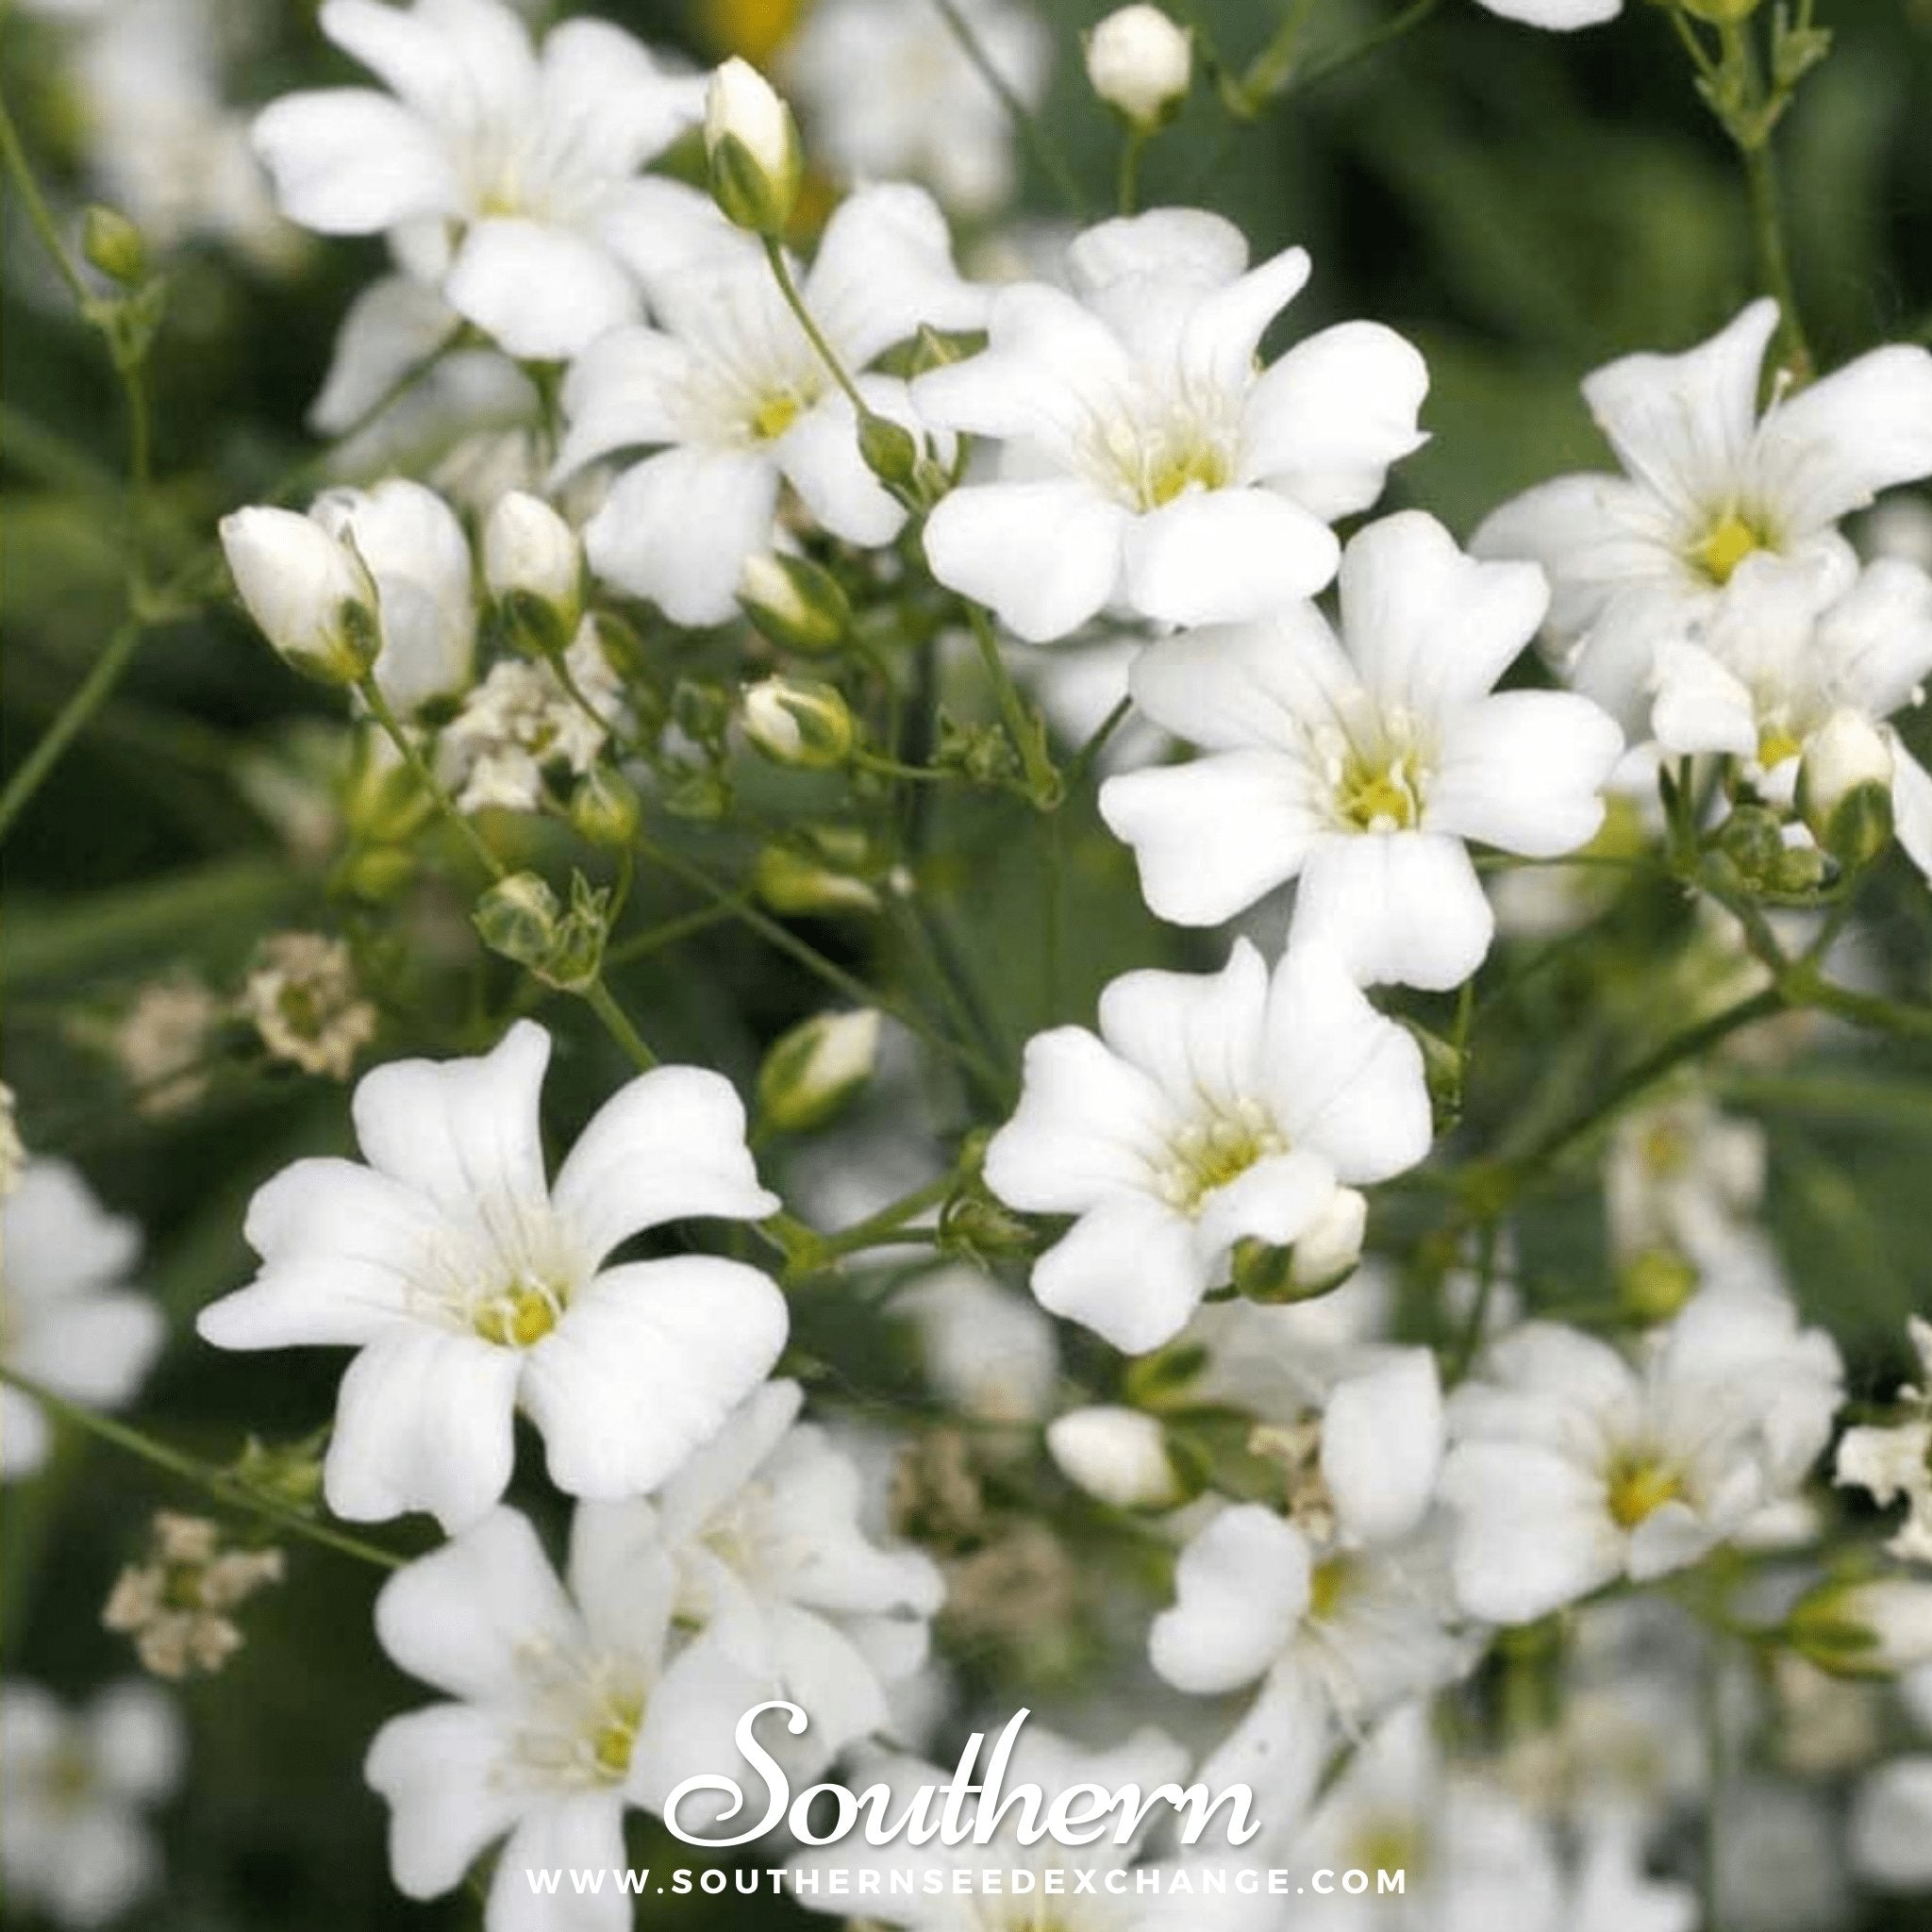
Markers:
<point>1371,1337</point>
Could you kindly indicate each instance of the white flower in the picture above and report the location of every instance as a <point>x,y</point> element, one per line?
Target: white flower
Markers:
<point>1342,1605</point>
<point>1641,560</point>
<point>472,1287</point>
<point>1774,678</point>
<point>736,401</point>
<point>890,94</point>
<point>528,550</point>
<point>520,722</point>
<point>413,550</point>
<point>67,1320</point>
<point>1364,766</point>
<point>72,1789</point>
<point>567,1709</point>
<point>1139,62</point>
<point>503,176</point>
<point>1571,1467</point>
<point>1891,1826</point>
<point>308,593</point>
<point>1683,1177</point>
<point>1147,462</point>
<point>762,1530</point>
<point>1210,1109</point>
<point>989,1352</point>
<point>1559,16</point>
<point>1118,1456</point>
<point>1894,1463</point>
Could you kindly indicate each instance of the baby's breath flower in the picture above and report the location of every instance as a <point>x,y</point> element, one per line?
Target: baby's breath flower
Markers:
<point>162,1040</point>
<point>176,1602</point>
<point>303,1000</point>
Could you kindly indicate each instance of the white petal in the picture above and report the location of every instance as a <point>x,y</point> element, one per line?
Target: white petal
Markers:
<point>452,61</point>
<point>668,1146</point>
<point>1183,245</point>
<point>26,1435</point>
<point>1046,556</point>
<point>1215,834</point>
<point>1128,1269</point>
<point>1382,1436</point>
<point>1911,807</point>
<point>1402,908</point>
<point>1701,706</point>
<point>1276,1201</point>
<point>1225,557</point>
<point>621,107</point>
<point>1683,425</point>
<point>1891,1825</point>
<point>885,267</point>
<point>440,1772</point>
<point>57,1236</point>
<point>461,1131</point>
<point>423,1422</point>
<point>821,460</point>
<point>1427,626</point>
<point>1558,16</point>
<point>1345,1082</point>
<point>1525,770</point>
<point>1324,423</point>
<point>1085,1128</point>
<point>623,393</point>
<point>95,1349</point>
<point>647,1364</point>
<point>394,323</point>
<point>1592,534</point>
<point>540,292</point>
<point>1534,1533</point>
<point>139,1740</point>
<point>678,527</point>
<point>458,1618</point>
<point>821,1670</point>
<point>1240,1591</point>
<point>1834,445</point>
<point>1198,1034</point>
<point>571,1834</point>
<point>1877,638</point>
<point>351,161</point>
<point>340,1247</point>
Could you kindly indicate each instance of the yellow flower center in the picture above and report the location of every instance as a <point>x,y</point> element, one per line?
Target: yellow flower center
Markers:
<point>776,414</point>
<point>1776,744</point>
<point>1173,475</point>
<point>1327,1586</point>
<point>1381,798</point>
<point>613,1741</point>
<point>1640,1486</point>
<point>1388,1844</point>
<point>1727,544</point>
<point>1210,1153</point>
<point>521,1316</point>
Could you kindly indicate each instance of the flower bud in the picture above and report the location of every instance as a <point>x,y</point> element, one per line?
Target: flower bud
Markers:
<point>1652,1286</point>
<point>1845,789</point>
<point>797,885</point>
<point>799,723</point>
<point>533,566</point>
<point>892,452</point>
<point>518,917</point>
<point>1872,1628</point>
<point>751,142</point>
<point>815,1068</point>
<point>1324,1256</point>
<point>1117,1456</point>
<point>113,244</point>
<point>1722,13</point>
<point>794,603</point>
<point>1141,63</point>
<point>606,808</point>
<point>308,591</point>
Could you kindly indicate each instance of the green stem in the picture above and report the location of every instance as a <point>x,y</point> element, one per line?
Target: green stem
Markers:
<point>1053,164</point>
<point>433,789</point>
<point>1133,146</point>
<point>218,1484</point>
<point>1404,24</point>
<point>788,287</point>
<point>94,691</point>
<point>597,996</point>
<point>1043,784</point>
<point>39,215</point>
<point>875,1230</point>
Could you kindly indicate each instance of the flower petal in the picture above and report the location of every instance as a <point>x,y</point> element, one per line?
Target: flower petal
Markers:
<point>1128,1269</point>
<point>540,292</point>
<point>1240,1591</point>
<point>1532,1533</point>
<point>1225,557</point>
<point>623,393</point>
<point>1382,1441</point>
<point>1398,909</point>
<point>821,458</point>
<point>352,162</point>
<point>439,1772</point>
<point>1701,706</point>
<point>668,1146</point>
<point>1046,556</point>
<point>1198,1034</point>
<point>1834,445</point>
<point>883,269</point>
<point>423,1422</point>
<point>646,1365</point>
<point>577,1833</point>
<point>1324,423</point>
<point>1525,771</point>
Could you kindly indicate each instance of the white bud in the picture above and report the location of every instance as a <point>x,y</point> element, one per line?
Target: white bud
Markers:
<point>1117,1456</point>
<point>813,1071</point>
<point>751,142</point>
<point>1880,1628</point>
<point>308,591</point>
<point>799,721</point>
<point>1327,1251</point>
<point>1844,753</point>
<point>530,552</point>
<point>1140,62</point>
<point>797,604</point>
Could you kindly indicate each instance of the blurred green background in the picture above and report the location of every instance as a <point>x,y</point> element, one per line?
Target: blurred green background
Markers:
<point>1523,205</point>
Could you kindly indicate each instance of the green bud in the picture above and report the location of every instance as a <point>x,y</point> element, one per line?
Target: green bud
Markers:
<point>751,144</point>
<point>1751,841</point>
<point>113,244</point>
<point>1653,1285</point>
<point>976,1227</point>
<point>518,917</point>
<point>1443,1068</point>
<point>606,808</point>
<point>1864,1627</point>
<point>290,1473</point>
<point>800,723</point>
<point>1845,789</point>
<point>1800,869</point>
<point>702,709</point>
<point>1326,1254</point>
<point>796,884</point>
<point>892,452</point>
<point>796,604</point>
<point>813,1071</point>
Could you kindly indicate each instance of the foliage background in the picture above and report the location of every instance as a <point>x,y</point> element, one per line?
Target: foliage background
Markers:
<point>1523,206</point>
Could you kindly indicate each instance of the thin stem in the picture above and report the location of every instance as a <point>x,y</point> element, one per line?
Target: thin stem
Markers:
<point>217,1483</point>
<point>1862,1008</point>
<point>597,996</point>
<point>1088,753</point>
<point>788,287</point>
<point>1339,62</point>
<point>1133,146</point>
<point>672,932</point>
<point>875,1230</point>
<point>93,692</point>
<point>433,787</point>
<point>39,215</point>
<point>1042,782</point>
<point>1052,162</point>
